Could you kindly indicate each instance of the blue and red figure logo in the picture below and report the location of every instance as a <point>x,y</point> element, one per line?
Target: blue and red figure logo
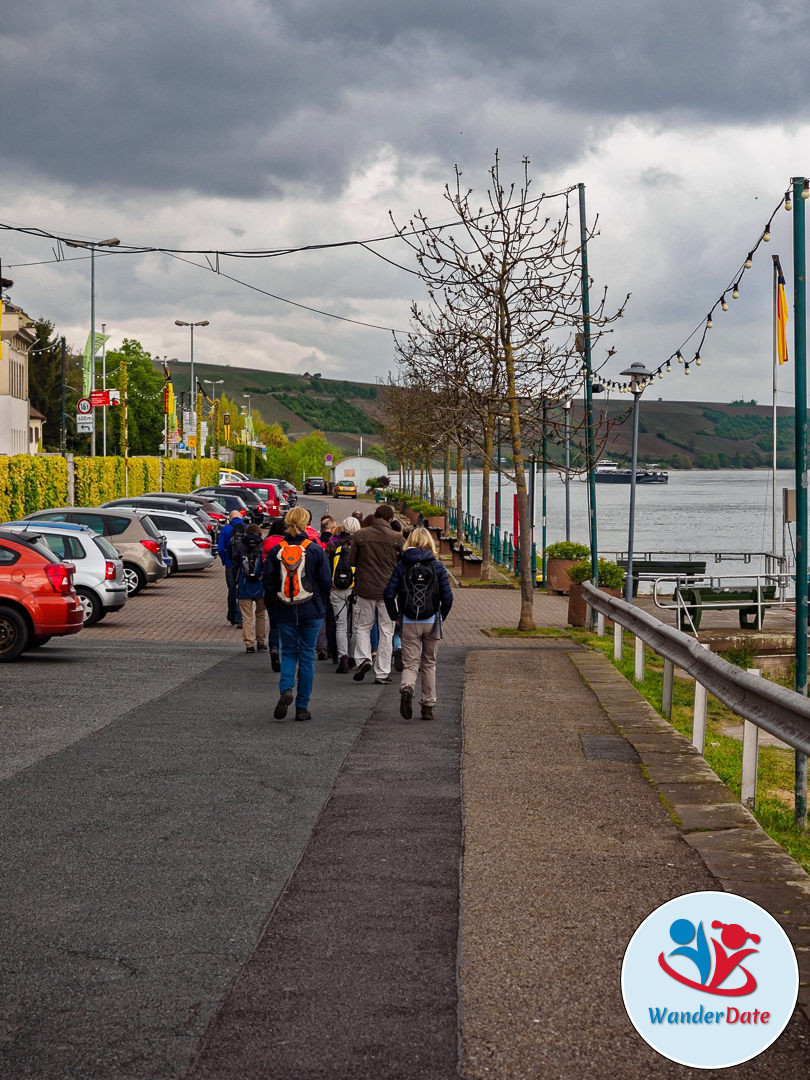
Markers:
<point>733,936</point>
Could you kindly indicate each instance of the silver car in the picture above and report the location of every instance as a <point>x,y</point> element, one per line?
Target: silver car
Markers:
<point>99,576</point>
<point>187,541</point>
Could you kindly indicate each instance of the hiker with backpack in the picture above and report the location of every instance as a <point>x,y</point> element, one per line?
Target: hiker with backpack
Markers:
<point>339,552</point>
<point>375,550</point>
<point>419,595</point>
<point>249,570</point>
<point>274,534</point>
<point>297,584</point>
<point>229,538</point>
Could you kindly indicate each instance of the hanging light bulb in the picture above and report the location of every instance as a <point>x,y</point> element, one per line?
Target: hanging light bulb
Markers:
<point>749,261</point>
<point>669,366</point>
<point>723,303</point>
<point>709,322</point>
<point>660,374</point>
<point>766,235</point>
<point>788,203</point>
<point>806,189</point>
<point>686,370</point>
<point>698,361</point>
<point>735,292</point>
<point>680,358</point>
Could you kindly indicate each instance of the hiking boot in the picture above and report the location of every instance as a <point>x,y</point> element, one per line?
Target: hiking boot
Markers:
<point>261,648</point>
<point>322,654</point>
<point>363,669</point>
<point>343,666</point>
<point>427,712</point>
<point>250,648</point>
<point>284,702</point>
<point>275,660</point>
<point>352,663</point>
<point>397,659</point>
<point>406,702</point>
<point>385,679</point>
<point>303,714</point>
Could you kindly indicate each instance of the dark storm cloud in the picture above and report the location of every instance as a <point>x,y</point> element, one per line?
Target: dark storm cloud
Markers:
<point>249,98</point>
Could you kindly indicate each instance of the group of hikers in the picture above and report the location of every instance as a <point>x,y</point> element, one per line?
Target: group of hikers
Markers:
<point>361,592</point>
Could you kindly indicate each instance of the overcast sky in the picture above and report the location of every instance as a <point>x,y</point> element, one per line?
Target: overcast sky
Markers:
<point>256,124</point>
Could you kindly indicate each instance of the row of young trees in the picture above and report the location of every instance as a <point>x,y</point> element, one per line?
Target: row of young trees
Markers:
<point>495,342</point>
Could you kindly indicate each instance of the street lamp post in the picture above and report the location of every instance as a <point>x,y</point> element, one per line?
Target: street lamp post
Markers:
<point>639,376</point>
<point>567,407</point>
<point>191,325</point>
<point>213,383</point>
<point>92,245</point>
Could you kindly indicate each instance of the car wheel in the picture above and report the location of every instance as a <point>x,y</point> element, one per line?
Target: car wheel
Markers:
<point>134,579</point>
<point>13,634</point>
<point>174,566</point>
<point>91,605</point>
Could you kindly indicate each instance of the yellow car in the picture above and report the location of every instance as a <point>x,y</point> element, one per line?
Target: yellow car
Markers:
<point>347,488</point>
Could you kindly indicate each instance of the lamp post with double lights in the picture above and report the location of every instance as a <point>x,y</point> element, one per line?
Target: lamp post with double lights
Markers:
<point>192,384</point>
<point>639,377</point>
<point>92,245</point>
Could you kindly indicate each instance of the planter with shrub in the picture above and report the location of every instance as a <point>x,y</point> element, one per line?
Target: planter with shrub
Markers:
<point>560,557</point>
<point>611,580</point>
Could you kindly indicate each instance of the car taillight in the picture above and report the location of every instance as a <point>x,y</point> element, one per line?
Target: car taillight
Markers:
<point>217,517</point>
<point>60,576</point>
<point>262,507</point>
<point>152,545</point>
<point>109,571</point>
<point>202,541</point>
<point>210,526</point>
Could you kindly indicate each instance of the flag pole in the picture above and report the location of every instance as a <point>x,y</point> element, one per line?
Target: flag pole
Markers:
<point>777,270</point>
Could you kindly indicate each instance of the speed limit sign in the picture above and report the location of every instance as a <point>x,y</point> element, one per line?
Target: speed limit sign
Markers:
<point>83,406</point>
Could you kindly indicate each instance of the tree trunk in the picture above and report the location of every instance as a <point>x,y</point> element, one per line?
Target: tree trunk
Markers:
<point>446,494</point>
<point>488,442</point>
<point>459,495</point>
<point>526,621</point>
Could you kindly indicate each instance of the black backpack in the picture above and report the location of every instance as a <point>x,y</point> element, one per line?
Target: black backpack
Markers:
<point>236,538</point>
<point>419,593</point>
<point>251,564</point>
<point>342,569</point>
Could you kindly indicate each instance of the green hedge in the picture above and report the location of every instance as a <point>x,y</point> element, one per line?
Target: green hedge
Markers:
<point>30,482</point>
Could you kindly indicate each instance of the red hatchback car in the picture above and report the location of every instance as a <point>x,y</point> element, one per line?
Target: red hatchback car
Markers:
<point>266,492</point>
<point>37,597</point>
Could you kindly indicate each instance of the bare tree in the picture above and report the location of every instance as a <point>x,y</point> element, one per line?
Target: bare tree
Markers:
<point>505,279</point>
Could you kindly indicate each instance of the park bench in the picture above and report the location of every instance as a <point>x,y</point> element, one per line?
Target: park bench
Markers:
<point>751,614</point>
<point>663,567</point>
<point>465,559</point>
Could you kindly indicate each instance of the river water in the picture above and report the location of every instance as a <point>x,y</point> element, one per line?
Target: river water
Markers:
<point>700,511</point>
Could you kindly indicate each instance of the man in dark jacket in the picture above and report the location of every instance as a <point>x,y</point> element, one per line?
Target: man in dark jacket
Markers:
<point>225,551</point>
<point>298,622</point>
<point>375,550</point>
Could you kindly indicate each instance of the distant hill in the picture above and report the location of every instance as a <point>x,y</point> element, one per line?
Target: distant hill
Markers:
<point>676,434</point>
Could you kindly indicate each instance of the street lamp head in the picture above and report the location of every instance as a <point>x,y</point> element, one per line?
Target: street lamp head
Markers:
<point>112,242</point>
<point>179,322</point>
<point>204,322</point>
<point>639,376</point>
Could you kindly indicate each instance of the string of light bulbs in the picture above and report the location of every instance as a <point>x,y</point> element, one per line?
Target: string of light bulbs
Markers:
<point>706,324</point>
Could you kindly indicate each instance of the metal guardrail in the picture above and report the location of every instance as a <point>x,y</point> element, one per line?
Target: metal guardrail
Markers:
<point>775,709</point>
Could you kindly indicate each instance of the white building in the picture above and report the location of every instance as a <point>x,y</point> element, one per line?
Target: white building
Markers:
<point>16,338</point>
<point>359,469</point>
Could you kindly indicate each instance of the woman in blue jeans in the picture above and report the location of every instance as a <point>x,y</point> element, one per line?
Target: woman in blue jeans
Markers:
<point>298,599</point>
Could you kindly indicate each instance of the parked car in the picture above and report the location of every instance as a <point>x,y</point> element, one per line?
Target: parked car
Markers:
<point>212,507</point>
<point>284,487</point>
<point>188,543</point>
<point>256,510</point>
<point>227,475</point>
<point>264,489</point>
<point>37,597</point>
<point>136,541</point>
<point>229,502</point>
<point>315,485</point>
<point>345,487</point>
<point>99,571</point>
<point>177,503</point>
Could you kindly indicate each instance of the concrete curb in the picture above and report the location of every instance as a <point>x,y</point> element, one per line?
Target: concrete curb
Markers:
<point>731,843</point>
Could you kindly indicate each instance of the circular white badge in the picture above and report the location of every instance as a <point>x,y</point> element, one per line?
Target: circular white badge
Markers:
<point>709,980</point>
<point>84,406</point>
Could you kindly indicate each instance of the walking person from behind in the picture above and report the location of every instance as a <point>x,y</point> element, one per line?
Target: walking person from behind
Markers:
<point>374,554</point>
<point>230,536</point>
<point>249,568</point>
<point>297,583</point>
<point>420,595</point>
<point>338,552</point>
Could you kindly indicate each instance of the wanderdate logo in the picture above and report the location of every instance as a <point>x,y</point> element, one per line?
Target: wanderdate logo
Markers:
<point>710,980</point>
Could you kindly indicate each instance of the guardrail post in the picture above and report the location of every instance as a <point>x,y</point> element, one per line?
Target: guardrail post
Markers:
<point>667,689</point>
<point>638,671</point>
<point>699,718</point>
<point>600,624</point>
<point>617,642</point>
<point>750,759</point>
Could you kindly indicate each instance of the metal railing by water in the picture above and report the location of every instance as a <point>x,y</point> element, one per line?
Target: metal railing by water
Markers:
<point>775,709</point>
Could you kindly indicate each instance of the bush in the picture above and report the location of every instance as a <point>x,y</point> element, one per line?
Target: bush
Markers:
<point>429,510</point>
<point>566,549</point>
<point>611,575</point>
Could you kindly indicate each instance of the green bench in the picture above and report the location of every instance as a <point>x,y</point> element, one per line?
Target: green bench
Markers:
<point>663,567</point>
<point>751,615</point>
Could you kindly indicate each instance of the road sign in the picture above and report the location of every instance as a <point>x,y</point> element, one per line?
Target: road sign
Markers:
<point>84,406</point>
<point>328,459</point>
<point>99,398</point>
<point>84,424</point>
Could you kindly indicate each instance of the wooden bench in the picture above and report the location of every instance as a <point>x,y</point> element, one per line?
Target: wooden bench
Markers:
<point>751,615</point>
<point>471,565</point>
<point>663,567</point>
